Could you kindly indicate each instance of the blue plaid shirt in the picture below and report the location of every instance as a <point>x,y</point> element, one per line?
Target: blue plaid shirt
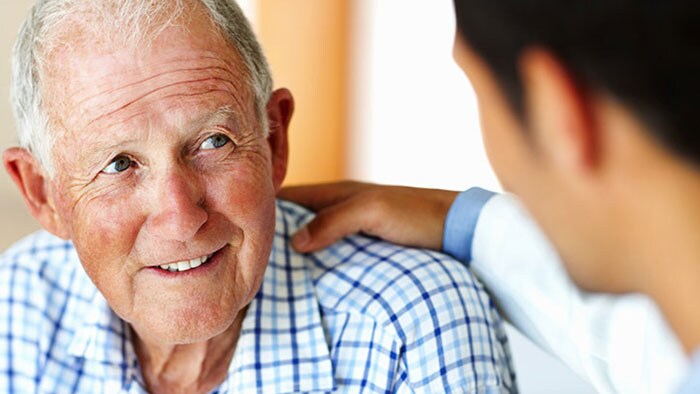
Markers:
<point>360,316</point>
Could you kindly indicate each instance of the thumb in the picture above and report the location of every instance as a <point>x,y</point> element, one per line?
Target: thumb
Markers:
<point>330,225</point>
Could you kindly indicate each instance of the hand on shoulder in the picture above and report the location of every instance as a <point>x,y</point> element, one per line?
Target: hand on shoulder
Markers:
<point>403,215</point>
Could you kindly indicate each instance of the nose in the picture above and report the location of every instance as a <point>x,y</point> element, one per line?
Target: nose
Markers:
<point>178,206</point>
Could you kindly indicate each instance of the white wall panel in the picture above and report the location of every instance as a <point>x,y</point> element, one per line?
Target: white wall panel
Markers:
<point>415,122</point>
<point>415,116</point>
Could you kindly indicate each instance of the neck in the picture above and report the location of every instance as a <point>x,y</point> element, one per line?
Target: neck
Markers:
<point>666,245</point>
<point>677,302</point>
<point>188,368</point>
<point>674,280</point>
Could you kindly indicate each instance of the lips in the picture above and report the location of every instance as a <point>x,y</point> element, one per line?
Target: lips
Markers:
<point>186,264</point>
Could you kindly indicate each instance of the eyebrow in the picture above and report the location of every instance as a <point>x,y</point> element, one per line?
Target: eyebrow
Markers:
<point>222,114</point>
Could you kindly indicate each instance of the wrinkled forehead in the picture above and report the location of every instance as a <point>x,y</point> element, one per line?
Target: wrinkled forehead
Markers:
<point>107,82</point>
<point>59,23</point>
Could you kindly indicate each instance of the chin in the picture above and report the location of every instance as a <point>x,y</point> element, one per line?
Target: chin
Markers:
<point>189,325</point>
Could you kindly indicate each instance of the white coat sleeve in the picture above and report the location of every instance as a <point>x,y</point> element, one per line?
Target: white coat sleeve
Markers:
<point>618,343</point>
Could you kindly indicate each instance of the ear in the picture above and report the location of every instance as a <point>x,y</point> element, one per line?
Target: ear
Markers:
<point>558,112</point>
<point>29,177</point>
<point>279,113</point>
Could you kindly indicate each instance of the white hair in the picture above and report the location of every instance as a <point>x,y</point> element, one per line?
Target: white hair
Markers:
<point>129,21</point>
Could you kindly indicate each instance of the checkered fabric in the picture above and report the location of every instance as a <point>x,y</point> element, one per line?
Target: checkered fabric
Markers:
<point>360,316</point>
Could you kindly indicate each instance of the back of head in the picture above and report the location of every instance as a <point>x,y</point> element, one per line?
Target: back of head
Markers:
<point>644,53</point>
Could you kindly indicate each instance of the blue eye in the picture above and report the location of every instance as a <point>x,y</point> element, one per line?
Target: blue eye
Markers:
<point>119,164</point>
<point>215,141</point>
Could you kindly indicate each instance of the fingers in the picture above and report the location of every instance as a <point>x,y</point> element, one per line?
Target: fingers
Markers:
<point>330,225</point>
<point>403,215</point>
<point>320,196</point>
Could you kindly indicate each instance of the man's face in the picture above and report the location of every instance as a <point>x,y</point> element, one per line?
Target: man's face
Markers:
<point>576,221</point>
<point>162,163</point>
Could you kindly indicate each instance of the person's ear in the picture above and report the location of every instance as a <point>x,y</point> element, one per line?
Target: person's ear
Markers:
<point>558,112</point>
<point>280,108</point>
<point>29,177</point>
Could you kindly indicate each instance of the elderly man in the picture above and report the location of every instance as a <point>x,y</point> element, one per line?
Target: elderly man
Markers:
<point>151,151</point>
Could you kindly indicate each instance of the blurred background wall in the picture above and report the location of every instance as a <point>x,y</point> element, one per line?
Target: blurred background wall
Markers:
<point>378,98</point>
<point>14,219</point>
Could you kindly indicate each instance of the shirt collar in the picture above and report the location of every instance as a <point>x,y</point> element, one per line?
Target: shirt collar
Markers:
<point>99,330</point>
<point>101,337</point>
<point>282,347</point>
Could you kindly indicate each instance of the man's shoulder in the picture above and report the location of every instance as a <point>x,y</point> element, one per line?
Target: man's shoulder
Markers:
<point>418,305</point>
<point>36,280</point>
<point>391,283</point>
<point>39,260</point>
<point>39,275</point>
<point>36,244</point>
<point>396,284</point>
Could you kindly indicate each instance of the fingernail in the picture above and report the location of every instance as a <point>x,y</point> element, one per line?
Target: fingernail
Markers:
<point>301,238</point>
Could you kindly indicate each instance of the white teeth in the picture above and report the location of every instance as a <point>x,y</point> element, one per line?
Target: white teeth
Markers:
<point>186,264</point>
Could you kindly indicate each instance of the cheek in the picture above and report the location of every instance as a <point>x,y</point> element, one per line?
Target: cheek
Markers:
<point>494,138</point>
<point>504,141</point>
<point>242,191</point>
<point>104,235</point>
<point>246,197</point>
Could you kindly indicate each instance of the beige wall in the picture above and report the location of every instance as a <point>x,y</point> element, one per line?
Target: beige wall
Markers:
<point>306,43</point>
<point>15,222</point>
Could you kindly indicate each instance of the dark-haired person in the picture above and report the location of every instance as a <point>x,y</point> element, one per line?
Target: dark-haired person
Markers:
<point>588,112</point>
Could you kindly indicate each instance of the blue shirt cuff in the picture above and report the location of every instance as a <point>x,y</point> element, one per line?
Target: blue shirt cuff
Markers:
<point>461,223</point>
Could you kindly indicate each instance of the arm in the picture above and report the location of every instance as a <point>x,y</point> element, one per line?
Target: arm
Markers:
<point>617,343</point>
<point>402,215</point>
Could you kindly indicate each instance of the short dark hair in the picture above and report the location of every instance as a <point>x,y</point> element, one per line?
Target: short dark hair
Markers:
<point>644,53</point>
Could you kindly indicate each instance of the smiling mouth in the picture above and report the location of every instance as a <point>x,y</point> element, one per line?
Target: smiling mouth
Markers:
<point>186,265</point>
